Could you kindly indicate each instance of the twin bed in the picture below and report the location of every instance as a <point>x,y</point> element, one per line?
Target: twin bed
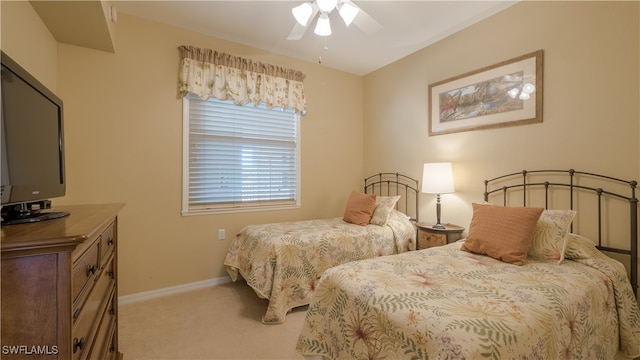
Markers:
<point>489,296</point>
<point>283,262</point>
<point>530,281</point>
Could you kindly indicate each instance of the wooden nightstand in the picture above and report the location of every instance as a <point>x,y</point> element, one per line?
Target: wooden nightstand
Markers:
<point>429,237</point>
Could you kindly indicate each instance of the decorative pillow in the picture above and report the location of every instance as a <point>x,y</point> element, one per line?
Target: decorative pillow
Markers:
<point>384,205</point>
<point>580,247</point>
<point>503,233</point>
<point>550,238</point>
<point>359,208</point>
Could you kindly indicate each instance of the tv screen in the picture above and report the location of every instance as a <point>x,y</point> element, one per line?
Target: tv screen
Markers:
<point>32,149</point>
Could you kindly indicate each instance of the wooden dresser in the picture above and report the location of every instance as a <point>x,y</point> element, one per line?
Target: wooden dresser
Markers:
<point>59,286</point>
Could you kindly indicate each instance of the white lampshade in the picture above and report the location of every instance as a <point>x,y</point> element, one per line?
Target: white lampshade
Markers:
<point>302,13</point>
<point>327,5</point>
<point>348,12</point>
<point>437,178</point>
<point>323,26</point>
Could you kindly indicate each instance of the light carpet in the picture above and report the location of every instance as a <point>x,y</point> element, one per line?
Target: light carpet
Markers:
<point>218,322</point>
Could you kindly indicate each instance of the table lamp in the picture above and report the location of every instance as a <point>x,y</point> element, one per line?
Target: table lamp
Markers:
<point>437,178</point>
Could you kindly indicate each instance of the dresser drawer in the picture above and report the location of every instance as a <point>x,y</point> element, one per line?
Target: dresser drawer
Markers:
<point>105,337</point>
<point>107,243</point>
<point>112,351</point>
<point>84,272</point>
<point>88,315</point>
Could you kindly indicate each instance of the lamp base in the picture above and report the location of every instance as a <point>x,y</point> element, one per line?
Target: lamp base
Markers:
<point>438,226</point>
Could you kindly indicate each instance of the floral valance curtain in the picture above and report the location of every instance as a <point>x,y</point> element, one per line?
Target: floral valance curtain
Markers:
<point>208,73</point>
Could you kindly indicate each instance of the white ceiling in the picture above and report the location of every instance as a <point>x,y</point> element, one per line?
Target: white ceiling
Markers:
<point>406,26</point>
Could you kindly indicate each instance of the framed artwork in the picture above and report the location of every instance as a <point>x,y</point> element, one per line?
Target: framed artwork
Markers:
<point>505,94</point>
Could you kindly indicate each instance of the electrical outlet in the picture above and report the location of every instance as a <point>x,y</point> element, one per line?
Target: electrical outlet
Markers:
<point>221,234</point>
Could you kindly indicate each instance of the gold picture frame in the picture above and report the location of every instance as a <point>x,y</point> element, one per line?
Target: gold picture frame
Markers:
<point>505,94</point>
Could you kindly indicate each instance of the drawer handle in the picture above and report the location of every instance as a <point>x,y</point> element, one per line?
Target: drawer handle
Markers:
<point>91,269</point>
<point>111,273</point>
<point>110,242</point>
<point>112,310</point>
<point>78,344</point>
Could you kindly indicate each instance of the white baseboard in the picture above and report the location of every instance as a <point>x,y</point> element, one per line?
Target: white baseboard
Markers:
<point>152,294</point>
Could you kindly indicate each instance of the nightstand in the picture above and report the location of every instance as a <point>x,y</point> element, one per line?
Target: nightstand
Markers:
<point>429,237</point>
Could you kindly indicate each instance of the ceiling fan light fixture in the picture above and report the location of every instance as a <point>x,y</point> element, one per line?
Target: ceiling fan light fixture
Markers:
<point>302,13</point>
<point>513,93</point>
<point>528,88</point>
<point>348,12</point>
<point>327,5</point>
<point>323,26</point>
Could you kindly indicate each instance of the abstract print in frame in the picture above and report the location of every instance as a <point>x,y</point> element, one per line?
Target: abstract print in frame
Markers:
<point>505,94</point>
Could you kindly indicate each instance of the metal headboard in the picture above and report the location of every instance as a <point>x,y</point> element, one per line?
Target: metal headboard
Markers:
<point>569,179</point>
<point>393,184</point>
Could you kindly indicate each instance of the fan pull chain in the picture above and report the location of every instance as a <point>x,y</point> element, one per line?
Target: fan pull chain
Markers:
<point>326,48</point>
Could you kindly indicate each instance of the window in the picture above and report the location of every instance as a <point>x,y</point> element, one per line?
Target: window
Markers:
<point>238,158</point>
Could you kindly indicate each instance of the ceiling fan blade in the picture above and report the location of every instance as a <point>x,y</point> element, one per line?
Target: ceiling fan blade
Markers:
<point>298,30</point>
<point>365,22</point>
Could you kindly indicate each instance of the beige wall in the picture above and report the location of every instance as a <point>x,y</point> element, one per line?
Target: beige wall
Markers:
<point>591,89</point>
<point>39,55</point>
<point>591,108</point>
<point>123,132</point>
<point>124,127</point>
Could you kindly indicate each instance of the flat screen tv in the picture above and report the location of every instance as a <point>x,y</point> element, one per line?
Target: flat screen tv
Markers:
<point>32,149</point>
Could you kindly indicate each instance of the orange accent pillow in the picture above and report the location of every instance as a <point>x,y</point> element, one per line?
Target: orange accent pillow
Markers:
<point>359,208</point>
<point>503,233</point>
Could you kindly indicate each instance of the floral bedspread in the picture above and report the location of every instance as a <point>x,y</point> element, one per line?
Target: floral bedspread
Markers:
<point>283,262</point>
<point>444,303</point>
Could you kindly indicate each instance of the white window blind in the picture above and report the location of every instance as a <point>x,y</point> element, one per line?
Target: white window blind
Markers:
<point>239,157</point>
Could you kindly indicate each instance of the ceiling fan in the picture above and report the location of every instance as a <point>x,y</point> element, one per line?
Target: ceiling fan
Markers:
<point>349,12</point>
